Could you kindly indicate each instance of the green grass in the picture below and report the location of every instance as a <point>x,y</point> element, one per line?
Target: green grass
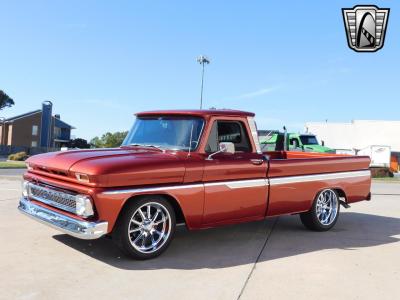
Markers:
<point>12,165</point>
<point>393,179</point>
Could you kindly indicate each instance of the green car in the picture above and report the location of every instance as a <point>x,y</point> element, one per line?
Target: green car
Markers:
<point>274,141</point>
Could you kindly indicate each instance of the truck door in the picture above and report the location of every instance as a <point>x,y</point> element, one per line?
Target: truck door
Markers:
<point>235,184</point>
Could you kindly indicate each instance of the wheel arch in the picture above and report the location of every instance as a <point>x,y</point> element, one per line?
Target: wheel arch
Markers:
<point>341,193</point>
<point>180,217</point>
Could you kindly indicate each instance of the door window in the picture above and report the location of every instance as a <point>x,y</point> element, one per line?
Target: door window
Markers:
<point>294,142</point>
<point>228,131</point>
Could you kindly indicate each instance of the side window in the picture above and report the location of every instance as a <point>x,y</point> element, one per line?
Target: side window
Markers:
<point>228,131</point>
<point>294,142</point>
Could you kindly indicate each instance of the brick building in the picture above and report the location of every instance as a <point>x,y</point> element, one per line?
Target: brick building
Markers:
<point>35,129</point>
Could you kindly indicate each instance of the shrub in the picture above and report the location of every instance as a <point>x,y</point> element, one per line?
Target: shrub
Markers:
<point>20,156</point>
<point>381,172</point>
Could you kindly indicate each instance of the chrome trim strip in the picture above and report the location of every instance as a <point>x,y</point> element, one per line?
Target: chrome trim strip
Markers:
<point>77,228</point>
<point>153,189</point>
<point>236,184</point>
<point>318,177</point>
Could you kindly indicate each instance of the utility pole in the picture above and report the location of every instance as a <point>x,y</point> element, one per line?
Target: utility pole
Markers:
<point>202,59</point>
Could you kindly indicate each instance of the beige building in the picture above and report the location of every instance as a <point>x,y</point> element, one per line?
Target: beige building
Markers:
<point>357,134</point>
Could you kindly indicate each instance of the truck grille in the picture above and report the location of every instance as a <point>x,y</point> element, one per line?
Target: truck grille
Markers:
<point>54,197</point>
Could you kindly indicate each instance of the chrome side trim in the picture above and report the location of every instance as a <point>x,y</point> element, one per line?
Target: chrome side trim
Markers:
<point>318,177</point>
<point>236,184</point>
<point>153,189</point>
<point>77,228</point>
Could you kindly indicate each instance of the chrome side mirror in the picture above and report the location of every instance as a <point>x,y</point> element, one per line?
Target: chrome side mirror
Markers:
<point>225,147</point>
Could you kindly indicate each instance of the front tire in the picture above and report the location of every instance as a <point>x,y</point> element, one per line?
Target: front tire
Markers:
<point>146,227</point>
<point>324,212</point>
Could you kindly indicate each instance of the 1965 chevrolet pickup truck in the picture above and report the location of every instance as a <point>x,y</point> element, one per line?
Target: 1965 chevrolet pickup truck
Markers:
<point>204,168</point>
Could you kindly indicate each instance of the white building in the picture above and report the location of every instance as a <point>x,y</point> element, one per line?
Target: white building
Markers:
<point>358,134</point>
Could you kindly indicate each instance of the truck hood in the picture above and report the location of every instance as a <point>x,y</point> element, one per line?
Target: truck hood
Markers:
<point>112,167</point>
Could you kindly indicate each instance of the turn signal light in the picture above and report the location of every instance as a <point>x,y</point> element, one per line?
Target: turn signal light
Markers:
<point>82,177</point>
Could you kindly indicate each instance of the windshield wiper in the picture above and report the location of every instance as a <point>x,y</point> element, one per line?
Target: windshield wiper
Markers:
<point>147,146</point>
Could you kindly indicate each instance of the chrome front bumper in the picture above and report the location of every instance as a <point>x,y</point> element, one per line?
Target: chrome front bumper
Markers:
<point>77,228</point>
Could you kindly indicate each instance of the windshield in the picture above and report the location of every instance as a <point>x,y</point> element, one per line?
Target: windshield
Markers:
<point>175,133</point>
<point>308,140</point>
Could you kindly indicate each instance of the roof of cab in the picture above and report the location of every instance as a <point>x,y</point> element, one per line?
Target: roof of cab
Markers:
<point>198,113</point>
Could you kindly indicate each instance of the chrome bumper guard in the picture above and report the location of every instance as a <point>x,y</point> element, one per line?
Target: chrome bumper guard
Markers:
<point>77,228</point>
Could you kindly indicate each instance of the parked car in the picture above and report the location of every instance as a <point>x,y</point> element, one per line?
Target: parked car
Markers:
<point>204,168</point>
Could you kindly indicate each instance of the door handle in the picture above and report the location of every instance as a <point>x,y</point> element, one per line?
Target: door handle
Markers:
<point>256,161</point>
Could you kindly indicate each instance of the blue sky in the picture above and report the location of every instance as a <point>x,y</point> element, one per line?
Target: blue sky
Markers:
<point>101,61</point>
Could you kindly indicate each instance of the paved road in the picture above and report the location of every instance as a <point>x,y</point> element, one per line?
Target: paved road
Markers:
<point>11,172</point>
<point>273,259</point>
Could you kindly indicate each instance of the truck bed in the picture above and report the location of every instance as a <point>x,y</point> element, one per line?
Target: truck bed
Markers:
<point>294,178</point>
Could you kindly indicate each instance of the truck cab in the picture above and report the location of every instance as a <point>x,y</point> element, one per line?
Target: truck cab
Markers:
<point>307,142</point>
<point>274,140</point>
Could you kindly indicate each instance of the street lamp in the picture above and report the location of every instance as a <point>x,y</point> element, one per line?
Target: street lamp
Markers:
<point>202,59</point>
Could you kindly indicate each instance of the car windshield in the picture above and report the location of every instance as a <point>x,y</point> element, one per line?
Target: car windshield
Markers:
<point>165,132</point>
<point>308,140</point>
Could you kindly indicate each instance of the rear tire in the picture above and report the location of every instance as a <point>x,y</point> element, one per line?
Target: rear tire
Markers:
<point>324,212</point>
<point>145,227</point>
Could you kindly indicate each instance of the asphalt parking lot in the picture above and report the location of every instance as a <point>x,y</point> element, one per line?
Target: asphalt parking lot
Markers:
<point>273,259</point>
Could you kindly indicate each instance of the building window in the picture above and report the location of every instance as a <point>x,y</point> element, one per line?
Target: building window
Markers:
<point>34,144</point>
<point>34,130</point>
<point>57,132</point>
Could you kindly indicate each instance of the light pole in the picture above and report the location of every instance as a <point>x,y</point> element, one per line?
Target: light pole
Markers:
<point>202,59</point>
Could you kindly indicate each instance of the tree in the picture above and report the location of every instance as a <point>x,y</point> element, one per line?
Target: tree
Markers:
<point>79,143</point>
<point>5,100</point>
<point>109,140</point>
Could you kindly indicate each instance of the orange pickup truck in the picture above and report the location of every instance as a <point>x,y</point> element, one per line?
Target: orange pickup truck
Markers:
<point>204,168</point>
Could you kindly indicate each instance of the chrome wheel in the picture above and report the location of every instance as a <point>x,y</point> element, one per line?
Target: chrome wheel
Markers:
<point>327,207</point>
<point>149,227</point>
